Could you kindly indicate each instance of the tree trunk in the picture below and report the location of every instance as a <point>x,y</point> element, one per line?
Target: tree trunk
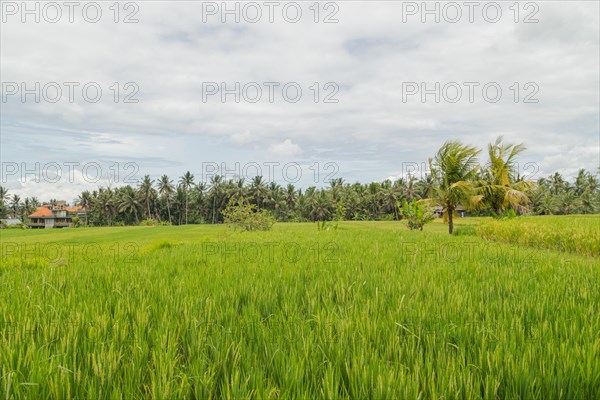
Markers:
<point>186,207</point>
<point>450,221</point>
<point>169,211</point>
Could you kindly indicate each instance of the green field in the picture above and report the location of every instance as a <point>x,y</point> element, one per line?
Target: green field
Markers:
<point>362,310</point>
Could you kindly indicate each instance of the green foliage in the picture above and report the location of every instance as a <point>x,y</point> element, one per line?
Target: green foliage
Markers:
<point>417,214</point>
<point>506,214</point>
<point>467,230</point>
<point>14,226</point>
<point>149,222</point>
<point>325,226</point>
<point>376,311</point>
<point>244,216</point>
<point>76,221</point>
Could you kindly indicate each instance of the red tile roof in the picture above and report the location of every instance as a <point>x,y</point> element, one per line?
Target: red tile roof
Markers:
<point>41,212</point>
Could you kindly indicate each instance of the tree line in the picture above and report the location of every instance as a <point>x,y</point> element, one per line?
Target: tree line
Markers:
<point>456,179</point>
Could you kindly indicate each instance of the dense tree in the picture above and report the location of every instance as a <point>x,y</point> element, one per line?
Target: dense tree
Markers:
<point>455,179</point>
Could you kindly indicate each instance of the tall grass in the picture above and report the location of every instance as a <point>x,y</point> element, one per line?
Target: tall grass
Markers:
<point>569,233</point>
<point>369,310</point>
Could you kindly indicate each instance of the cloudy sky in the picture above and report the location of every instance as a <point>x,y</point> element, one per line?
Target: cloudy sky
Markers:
<point>369,73</point>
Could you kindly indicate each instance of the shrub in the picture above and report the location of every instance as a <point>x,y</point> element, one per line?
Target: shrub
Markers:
<point>14,226</point>
<point>417,213</point>
<point>245,216</point>
<point>149,222</point>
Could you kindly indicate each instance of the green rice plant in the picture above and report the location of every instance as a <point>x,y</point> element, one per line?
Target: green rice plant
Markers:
<point>467,230</point>
<point>569,233</point>
<point>370,310</point>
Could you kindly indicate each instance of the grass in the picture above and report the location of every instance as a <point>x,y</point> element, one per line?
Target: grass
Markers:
<point>569,233</point>
<point>369,310</point>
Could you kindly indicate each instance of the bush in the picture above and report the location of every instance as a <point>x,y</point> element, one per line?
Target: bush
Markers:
<point>245,216</point>
<point>417,213</point>
<point>15,226</point>
<point>149,222</point>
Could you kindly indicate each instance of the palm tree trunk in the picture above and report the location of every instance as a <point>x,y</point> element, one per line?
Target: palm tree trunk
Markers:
<point>169,211</point>
<point>186,207</point>
<point>450,220</point>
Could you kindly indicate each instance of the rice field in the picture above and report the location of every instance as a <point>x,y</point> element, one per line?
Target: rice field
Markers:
<point>362,310</point>
<point>569,233</point>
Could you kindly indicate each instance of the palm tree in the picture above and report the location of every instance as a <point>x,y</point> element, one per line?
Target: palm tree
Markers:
<point>258,191</point>
<point>29,206</point>
<point>291,197</point>
<point>4,193</point>
<point>497,186</point>
<point>186,182</point>
<point>147,193</point>
<point>557,184</point>
<point>321,206</point>
<point>129,203</point>
<point>3,197</point>
<point>84,200</point>
<point>215,191</point>
<point>166,189</point>
<point>391,196</point>
<point>105,202</point>
<point>15,205</point>
<point>453,167</point>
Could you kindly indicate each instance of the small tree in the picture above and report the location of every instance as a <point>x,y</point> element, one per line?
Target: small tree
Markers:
<point>417,213</point>
<point>76,221</point>
<point>243,215</point>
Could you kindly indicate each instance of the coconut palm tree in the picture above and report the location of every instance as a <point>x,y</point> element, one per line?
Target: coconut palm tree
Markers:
<point>4,194</point>
<point>129,202</point>
<point>147,193</point>
<point>15,205</point>
<point>498,187</point>
<point>258,191</point>
<point>216,192</point>
<point>186,182</point>
<point>106,203</point>
<point>166,189</point>
<point>321,207</point>
<point>453,168</point>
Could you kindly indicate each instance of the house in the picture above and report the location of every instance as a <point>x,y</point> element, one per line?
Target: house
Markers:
<point>56,215</point>
<point>438,212</point>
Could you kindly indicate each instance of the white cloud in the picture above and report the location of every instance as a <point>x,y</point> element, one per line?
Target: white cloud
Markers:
<point>369,132</point>
<point>285,149</point>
